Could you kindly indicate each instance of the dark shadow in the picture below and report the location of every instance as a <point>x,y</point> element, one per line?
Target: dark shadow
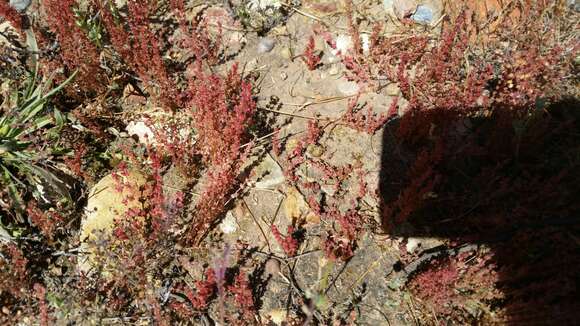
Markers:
<point>505,180</point>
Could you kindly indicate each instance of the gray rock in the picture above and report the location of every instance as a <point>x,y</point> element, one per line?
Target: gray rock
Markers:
<point>270,174</point>
<point>266,45</point>
<point>420,11</point>
<point>20,5</point>
<point>347,88</point>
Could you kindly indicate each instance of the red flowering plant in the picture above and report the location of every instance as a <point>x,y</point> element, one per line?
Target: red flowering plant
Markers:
<point>454,72</point>
<point>289,243</point>
<point>13,272</point>
<point>243,299</point>
<point>78,52</point>
<point>445,92</point>
<point>11,15</point>
<point>18,292</point>
<point>135,41</point>
<point>310,57</point>
<point>205,291</point>
<point>344,220</point>
<point>143,240</point>
<point>368,121</point>
<point>223,111</point>
<point>481,142</point>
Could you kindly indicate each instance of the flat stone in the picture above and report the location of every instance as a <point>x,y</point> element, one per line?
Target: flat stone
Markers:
<point>269,174</point>
<point>423,15</point>
<point>422,244</point>
<point>143,132</point>
<point>277,316</point>
<point>295,205</point>
<point>334,70</point>
<point>347,88</point>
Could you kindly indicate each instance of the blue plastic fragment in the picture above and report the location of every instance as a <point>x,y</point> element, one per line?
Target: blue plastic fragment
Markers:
<point>423,15</point>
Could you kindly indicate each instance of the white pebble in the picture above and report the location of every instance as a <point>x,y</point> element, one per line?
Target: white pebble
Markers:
<point>266,45</point>
<point>412,244</point>
<point>142,131</point>
<point>229,224</point>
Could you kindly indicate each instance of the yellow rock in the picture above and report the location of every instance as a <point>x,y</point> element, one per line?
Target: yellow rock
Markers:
<point>104,206</point>
<point>315,150</point>
<point>291,144</point>
<point>295,207</point>
<point>277,316</point>
<point>312,218</point>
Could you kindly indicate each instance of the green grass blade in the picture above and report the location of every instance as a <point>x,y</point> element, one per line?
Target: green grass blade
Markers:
<point>61,86</point>
<point>39,123</point>
<point>13,193</point>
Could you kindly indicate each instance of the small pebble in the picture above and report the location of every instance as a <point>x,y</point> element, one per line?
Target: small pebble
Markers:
<point>366,42</point>
<point>5,310</point>
<point>332,58</point>
<point>315,150</point>
<point>266,45</point>
<point>252,64</point>
<point>388,5</point>
<point>413,244</point>
<point>343,45</point>
<point>575,4</point>
<point>328,189</point>
<point>229,224</point>
<point>312,218</point>
<point>237,37</point>
<point>273,267</point>
<point>283,75</point>
<point>56,270</point>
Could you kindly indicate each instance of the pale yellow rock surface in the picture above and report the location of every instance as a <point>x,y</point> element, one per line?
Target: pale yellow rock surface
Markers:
<point>104,206</point>
<point>277,316</point>
<point>295,206</point>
